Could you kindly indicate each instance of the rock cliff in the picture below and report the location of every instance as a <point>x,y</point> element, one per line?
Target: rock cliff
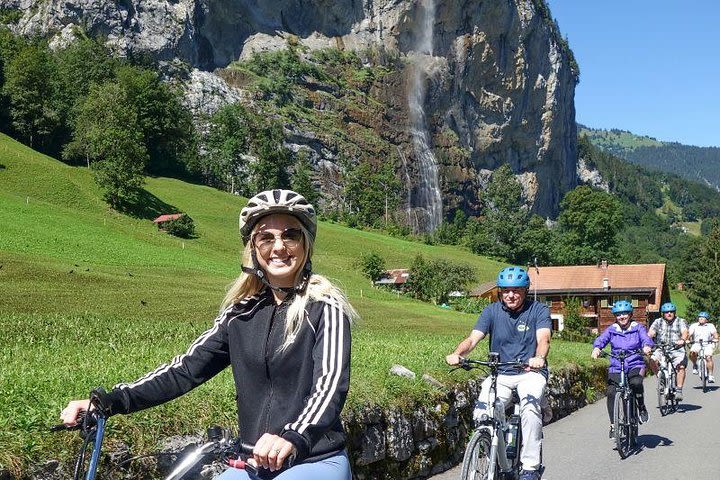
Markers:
<point>499,87</point>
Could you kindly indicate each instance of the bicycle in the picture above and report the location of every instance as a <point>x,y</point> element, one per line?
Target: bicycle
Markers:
<point>493,451</point>
<point>667,380</point>
<point>702,364</point>
<point>91,424</point>
<point>625,409</point>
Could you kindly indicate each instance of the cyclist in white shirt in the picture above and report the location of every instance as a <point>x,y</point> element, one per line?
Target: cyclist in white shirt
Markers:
<point>705,332</point>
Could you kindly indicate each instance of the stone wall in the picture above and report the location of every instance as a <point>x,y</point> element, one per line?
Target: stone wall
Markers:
<point>422,440</point>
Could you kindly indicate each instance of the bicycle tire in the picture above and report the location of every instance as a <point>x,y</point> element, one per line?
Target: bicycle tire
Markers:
<point>620,424</point>
<point>703,374</point>
<point>476,461</point>
<point>662,400</point>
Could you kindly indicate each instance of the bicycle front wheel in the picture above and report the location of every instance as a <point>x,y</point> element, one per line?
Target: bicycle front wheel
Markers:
<point>703,374</point>
<point>662,399</point>
<point>620,423</point>
<point>476,462</point>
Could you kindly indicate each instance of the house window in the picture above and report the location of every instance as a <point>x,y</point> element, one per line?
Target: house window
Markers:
<point>635,303</point>
<point>604,303</point>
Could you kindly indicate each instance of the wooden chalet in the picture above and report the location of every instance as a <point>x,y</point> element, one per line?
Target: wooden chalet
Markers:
<point>598,287</point>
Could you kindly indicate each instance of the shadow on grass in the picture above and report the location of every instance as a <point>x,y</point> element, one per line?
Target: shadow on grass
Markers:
<point>147,206</point>
<point>2,167</point>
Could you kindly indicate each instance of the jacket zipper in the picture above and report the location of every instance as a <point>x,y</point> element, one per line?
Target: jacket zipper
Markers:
<point>267,369</point>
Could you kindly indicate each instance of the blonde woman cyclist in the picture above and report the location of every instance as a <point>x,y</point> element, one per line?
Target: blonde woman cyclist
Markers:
<point>285,332</point>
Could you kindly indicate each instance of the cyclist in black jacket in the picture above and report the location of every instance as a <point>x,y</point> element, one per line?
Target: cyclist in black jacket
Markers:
<point>286,334</point>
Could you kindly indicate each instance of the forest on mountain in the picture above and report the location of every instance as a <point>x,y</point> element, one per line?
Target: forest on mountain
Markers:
<point>700,164</point>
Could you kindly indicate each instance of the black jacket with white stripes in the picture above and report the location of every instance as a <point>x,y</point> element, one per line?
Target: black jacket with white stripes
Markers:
<point>297,393</point>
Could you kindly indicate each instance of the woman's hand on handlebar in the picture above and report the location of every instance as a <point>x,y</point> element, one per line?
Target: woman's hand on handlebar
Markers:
<point>271,452</point>
<point>69,415</point>
<point>453,359</point>
<point>647,350</point>
<point>596,353</point>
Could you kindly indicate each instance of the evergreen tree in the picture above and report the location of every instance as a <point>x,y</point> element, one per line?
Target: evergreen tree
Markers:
<point>704,293</point>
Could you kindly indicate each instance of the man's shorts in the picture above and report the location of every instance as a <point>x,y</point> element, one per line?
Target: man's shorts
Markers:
<point>709,348</point>
<point>678,357</point>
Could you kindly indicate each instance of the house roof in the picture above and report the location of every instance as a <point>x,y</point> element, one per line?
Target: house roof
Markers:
<point>482,289</point>
<point>621,279</point>
<point>166,217</point>
<point>397,276</point>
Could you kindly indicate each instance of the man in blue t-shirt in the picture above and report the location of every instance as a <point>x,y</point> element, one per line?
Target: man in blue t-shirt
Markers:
<point>519,329</point>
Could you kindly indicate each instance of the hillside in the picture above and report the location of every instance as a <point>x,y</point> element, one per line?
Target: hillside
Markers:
<point>700,164</point>
<point>91,297</point>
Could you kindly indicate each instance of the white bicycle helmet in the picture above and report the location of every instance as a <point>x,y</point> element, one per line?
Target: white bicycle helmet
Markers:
<point>277,201</point>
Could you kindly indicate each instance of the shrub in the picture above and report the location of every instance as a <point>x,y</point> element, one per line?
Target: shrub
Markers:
<point>372,265</point>
<point>469,304</point>
<point>182,227</point>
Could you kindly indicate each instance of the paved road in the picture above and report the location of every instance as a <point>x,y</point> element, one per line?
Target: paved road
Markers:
<point>682,445</point>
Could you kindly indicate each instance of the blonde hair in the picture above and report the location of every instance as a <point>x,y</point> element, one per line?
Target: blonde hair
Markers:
<point>318,288</point>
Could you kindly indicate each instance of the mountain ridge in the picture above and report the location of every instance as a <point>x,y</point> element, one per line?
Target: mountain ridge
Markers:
<point>700,164</point>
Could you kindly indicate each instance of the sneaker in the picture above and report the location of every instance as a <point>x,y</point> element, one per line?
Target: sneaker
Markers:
<point>695,371</point>
<point>612,432</point>
<point>678,395</point>
<point>643,415</point>
<point>711,379</point>
<point>529,475</point>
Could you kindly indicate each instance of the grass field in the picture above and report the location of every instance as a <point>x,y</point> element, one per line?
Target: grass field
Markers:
<point>92,297</point>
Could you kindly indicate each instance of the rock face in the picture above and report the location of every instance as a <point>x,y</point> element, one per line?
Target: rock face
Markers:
<point>501,84</point>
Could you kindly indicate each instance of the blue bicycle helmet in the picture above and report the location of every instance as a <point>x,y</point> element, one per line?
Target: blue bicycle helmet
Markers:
<point>622,306</point>
<point>513,277</point>
<point>704,314</point>
<point>667,307</point>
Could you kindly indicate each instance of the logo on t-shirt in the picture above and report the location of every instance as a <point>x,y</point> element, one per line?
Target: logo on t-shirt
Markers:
<point>522,327</point>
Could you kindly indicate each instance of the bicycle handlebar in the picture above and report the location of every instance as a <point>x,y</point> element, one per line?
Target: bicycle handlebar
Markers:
<point>622,355</point>
<point>469,364</point>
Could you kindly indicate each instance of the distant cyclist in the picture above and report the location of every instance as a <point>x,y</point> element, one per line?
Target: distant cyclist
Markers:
<point>625,335</point>
<point>672,330</point>
<point>519,329</point>
<point>705,332</point>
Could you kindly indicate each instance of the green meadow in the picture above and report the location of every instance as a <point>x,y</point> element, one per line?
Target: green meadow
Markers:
<point>91,297</point>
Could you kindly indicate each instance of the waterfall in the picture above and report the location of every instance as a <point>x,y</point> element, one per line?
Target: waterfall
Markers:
<point>426,195</point>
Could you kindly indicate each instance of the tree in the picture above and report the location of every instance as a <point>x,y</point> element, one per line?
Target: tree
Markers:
<point>704,293</point>
<point>504,216</point>
<point>30,86</point>
<point>589,222</point>
<point>302,180</point>
<point>535,244</point>
<point>372,192</point>
<point>272,167</point>
<point>372,265</point>
<point>108,134</point>
<point>82,63</point>
<point>433,280</point>
<point>165,123</point>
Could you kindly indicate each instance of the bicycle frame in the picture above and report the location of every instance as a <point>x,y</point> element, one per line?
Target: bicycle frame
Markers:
<point>667,380</point>
<point>220,445</point>
<point>494,421</point>
<point>625,401</point>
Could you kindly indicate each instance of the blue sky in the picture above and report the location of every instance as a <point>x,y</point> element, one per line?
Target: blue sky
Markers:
<point>650,67</point>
